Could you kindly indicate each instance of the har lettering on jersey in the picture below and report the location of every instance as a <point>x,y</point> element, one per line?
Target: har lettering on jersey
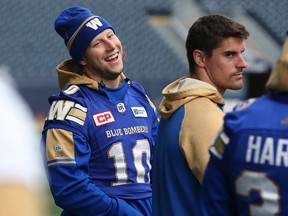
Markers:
<point>267,150</point>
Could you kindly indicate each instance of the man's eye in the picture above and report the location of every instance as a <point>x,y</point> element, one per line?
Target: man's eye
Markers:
<point>96,44</point>
<point>230,54</point>
<point>110,36</point>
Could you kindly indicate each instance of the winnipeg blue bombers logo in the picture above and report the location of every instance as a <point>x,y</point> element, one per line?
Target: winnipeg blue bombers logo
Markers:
<point>121,107</point>
<point>94,23</point>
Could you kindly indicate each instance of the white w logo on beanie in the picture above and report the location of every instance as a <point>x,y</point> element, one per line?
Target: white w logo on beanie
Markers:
<point>94,23</point>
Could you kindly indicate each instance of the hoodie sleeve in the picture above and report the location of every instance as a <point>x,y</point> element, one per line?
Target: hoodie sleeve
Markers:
<point>202,121</point>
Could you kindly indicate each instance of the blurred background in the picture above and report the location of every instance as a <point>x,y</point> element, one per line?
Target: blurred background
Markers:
<point>153,33</point>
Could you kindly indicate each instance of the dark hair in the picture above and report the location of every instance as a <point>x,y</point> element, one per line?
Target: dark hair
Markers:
<point>208,32</point>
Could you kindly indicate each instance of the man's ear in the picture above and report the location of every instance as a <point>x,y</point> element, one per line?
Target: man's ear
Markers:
<point>82,61</point>
<point>199,57</point>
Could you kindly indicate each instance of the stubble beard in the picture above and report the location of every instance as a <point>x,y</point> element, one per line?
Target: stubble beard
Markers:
<point>106,74</point>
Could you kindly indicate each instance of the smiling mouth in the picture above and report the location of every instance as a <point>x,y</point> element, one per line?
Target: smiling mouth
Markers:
<point>112,57</point>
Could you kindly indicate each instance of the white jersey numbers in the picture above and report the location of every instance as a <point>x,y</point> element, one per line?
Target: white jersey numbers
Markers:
<point>140,151</point>
<point>268,191</point>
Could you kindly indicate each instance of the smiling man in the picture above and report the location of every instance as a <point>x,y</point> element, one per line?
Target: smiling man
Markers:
<point>94,166</point>
<point>191,113</point>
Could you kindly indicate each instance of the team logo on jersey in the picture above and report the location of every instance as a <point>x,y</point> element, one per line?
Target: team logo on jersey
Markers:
<point>139,112</point>
<point>121,107</point>
<point>58,150</point>
<point>61,110</point>
<point>103,118</point>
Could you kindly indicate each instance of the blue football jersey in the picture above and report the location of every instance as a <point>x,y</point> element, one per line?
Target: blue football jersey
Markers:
<point>96,148</point>
<point>248,170</point>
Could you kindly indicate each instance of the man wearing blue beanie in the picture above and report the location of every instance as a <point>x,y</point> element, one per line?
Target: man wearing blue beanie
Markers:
<point>99,134</point>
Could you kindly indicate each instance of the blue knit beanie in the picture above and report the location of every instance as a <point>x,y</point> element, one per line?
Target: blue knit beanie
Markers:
<point>78,27</point>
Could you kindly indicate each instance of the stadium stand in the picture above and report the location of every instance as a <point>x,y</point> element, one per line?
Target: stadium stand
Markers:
<point>31,49</point>
<point>272,15</point>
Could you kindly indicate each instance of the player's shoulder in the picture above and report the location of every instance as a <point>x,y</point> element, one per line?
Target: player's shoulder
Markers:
<point>245,109</point>
<point>137,89</point>
<point>75,94</point>
<point>253,103</point>
<point>247,115</point>
<point>72,93</point>
<point>249,108</point>
<point>244,104</point>
<point>67,107</point>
